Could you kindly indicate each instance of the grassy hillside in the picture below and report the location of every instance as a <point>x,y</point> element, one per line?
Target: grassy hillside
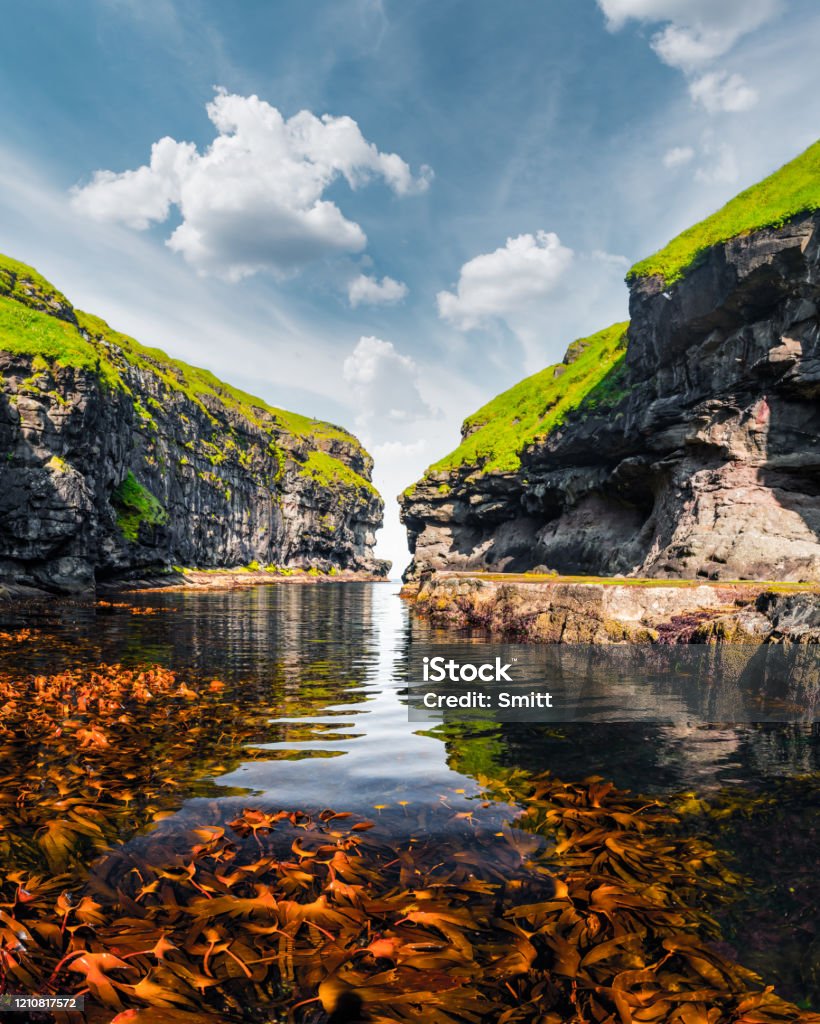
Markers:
<point>38,321</point>
<point>794,189</point>
<point>590,374</point>
<point>501,429</point>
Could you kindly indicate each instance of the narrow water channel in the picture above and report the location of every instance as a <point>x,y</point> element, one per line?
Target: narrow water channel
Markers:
<point>318,672</point>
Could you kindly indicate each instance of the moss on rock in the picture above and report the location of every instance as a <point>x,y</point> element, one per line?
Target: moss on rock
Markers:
<point>136,505</point>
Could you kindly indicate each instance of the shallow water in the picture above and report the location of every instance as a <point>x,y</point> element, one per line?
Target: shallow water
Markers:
<point>324,664</point>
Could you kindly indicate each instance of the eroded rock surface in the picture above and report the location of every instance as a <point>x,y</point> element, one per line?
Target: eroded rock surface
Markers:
<point>559,611</point>
<point>211,484</point>
<point>707,463</point>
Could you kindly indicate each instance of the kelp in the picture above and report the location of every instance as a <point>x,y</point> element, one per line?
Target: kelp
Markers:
<point>113,607</point>
<point>590,904</point>
<point>21,636</point>
<point>90,757</point>
<point>774,920</point>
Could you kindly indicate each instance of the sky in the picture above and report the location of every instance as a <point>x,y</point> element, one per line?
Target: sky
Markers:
<point>379,212</point>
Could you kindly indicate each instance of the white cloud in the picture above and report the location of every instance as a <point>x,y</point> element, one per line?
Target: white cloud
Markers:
<point>721,167</point>
<point>138,198</point>
<point>385,384</point>
<point>541,291</point>
<point>496,284</point>
<point>253,200</point>
<point>677,156</point>
<point>695,33</point>
<point>399,449</point>
<point>404,429</point>
<point>695,30</point>
<point>719,91</point>
<point>611,258</point>
<point>687,48</point>
<point>364,290</point>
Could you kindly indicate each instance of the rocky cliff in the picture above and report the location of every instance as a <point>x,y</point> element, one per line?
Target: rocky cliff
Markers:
<point>116,459</point>
<point>687,444</point>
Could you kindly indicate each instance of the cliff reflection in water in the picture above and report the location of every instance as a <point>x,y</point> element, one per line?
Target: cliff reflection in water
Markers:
<point>325,669</point>
<point>317,677</point>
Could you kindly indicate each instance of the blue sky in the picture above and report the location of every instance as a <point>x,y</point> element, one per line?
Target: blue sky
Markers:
<point>486,175</point>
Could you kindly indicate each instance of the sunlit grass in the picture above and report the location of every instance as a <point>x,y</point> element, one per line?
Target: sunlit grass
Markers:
<point>500,430</point>
<point>792,190</point>
<point>27,327</point>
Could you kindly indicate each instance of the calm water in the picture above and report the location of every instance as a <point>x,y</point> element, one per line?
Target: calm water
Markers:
<point>324,664</point>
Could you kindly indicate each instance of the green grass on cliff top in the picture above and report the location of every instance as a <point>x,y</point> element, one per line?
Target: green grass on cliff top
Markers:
<point>792,190</point>
<point>532,408</point>
<point>535,406</point>
<point>26,330</point>
<point>201,385</point>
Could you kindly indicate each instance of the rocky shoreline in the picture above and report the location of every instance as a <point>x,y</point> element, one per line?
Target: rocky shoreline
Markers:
<point>236,579</point>
<point>239,578</point>
<point>555,609</point>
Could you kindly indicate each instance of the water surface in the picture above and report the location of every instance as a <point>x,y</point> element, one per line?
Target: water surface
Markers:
<point>322,669</point>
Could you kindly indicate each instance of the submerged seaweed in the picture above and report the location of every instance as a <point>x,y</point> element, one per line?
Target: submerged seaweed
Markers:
<point>591,904</point>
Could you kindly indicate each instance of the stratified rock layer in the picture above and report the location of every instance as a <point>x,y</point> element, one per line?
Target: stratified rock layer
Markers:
<point>608,612</point>
<point>125,468</point>
<point>706,464</point>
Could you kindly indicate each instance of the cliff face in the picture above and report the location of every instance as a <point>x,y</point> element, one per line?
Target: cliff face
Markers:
<point>115,459</point>
<point>697,456</point>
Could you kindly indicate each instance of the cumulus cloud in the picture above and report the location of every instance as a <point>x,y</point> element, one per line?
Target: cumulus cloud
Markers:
<point>496,284</point>
<point>368,291</point>
<point>695,33</point>
<point>138,198</point>
<point>718,91</point>
<point>541,291</point>
<point>254,199</point>
<point>677,156</point>
<point>385,384</point>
